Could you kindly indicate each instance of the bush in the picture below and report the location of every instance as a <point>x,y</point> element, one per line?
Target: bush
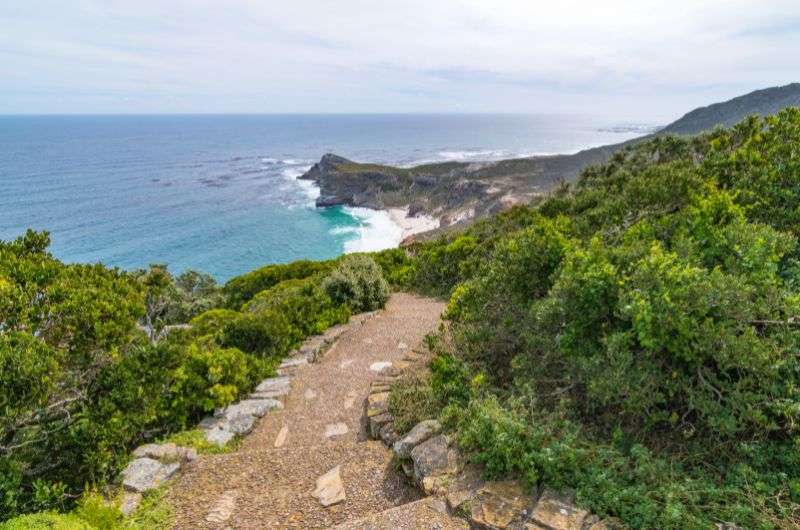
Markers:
<point>241,289</point>
<point>212,321</point>
<point>306,306</point>
<point>638,333</point>
<point>357,282</point>
<point>265,334</point>
<point>212,377</point>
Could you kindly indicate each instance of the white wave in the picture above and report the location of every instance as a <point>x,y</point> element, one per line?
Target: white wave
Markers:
<point>296,162</point>
<point>375,230</point>
<point>268,160</point>
<point>487,154</point>
<point>308,187</point>
<point>341,230</point>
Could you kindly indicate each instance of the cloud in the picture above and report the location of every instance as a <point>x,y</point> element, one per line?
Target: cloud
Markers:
<point>637,58</point>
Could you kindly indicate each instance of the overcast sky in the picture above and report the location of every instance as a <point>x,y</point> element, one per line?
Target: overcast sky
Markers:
<point>640,59</point>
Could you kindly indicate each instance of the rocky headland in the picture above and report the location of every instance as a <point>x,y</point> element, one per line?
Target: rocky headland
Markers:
<point>457,192</point>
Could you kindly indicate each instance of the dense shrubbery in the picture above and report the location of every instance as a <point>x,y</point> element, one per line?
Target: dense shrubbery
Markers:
<point>242,289</point>
<point>93,364</point>
<point>357,282</point>
<point>636,337</point>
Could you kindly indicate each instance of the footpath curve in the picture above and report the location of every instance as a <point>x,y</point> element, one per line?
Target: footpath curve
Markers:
<point>269,480</point>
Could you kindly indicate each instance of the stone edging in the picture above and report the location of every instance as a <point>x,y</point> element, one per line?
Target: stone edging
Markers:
<point>433,462</point>
<point>153,464</point>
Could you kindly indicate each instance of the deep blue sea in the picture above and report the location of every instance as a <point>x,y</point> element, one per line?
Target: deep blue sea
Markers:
<point>220,194</point>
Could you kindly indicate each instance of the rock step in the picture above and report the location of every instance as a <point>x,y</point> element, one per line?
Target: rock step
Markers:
<point>425,513</point>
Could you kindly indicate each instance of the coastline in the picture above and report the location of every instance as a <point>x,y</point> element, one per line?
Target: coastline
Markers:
<point>412,225</point>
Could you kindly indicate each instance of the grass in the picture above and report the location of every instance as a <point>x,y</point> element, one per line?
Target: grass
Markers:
<point>195,438</point>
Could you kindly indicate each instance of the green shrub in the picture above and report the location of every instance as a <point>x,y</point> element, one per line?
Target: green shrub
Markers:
<point>212,377</point>
<point>266,334</point>
<point>308,309</point>
<point>241,289</point>
<point>357,282</point>
<point>47,521</point>
<point>637,333</point>
<point>212,321</point>
<point>411,400</point>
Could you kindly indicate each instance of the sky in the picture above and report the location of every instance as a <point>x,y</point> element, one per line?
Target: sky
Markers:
<point>641,59</point>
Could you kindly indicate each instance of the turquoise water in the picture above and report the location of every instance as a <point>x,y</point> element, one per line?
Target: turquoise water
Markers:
<point>219,193</point>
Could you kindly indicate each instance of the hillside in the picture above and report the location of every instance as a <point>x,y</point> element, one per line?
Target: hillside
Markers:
<point>457,191</point>
<point>631,339</point>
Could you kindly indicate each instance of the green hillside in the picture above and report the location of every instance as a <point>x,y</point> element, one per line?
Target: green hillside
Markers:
<point>633,336</point>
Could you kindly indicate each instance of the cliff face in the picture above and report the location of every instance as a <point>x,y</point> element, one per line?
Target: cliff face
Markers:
<point>457,192</point>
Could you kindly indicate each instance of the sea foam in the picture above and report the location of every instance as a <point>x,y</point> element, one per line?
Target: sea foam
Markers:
<point>375,230</point>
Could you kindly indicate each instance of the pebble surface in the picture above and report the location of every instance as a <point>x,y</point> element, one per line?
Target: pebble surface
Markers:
<point>274,485</point>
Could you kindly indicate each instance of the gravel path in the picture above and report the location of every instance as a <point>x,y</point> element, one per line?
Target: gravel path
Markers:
<point>267,482</point>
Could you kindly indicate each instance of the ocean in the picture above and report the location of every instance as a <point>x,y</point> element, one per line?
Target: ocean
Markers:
<point>219,193</point>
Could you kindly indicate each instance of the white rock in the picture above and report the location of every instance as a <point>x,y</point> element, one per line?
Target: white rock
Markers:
<point>344,364</point>
<point>281,438</point>
<point>145,474</point>
<point>309,394</point>
<point>402,346</point>
<point>335,429</point>
<point>330,489</point>
<point>223,507</point>
<point>380,366</point>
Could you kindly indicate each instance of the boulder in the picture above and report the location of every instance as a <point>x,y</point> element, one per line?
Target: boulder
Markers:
<point>168,452</point>
<point>144,474</point>
<point>249,407</point>
<point>239,424</point>
<point>219,436</point>
<point>421,432</point>
<point>503,504</point>
<point>557,512</point>
<point>434,457</point>
<point>330,489</point>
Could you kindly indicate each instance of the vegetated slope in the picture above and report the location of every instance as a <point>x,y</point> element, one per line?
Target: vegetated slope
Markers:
<point>762,102</point>
<point>458,191</point>
<point>95,361</point>
<point>635,336</point>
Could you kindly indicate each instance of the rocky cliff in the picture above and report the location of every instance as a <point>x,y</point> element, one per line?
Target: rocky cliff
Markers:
<point>456,192</point>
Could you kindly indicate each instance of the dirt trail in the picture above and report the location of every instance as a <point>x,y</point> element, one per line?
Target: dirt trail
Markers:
<point>268,481</point>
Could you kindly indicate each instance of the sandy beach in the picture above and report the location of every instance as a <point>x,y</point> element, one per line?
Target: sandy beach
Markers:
<point>412,225</point>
